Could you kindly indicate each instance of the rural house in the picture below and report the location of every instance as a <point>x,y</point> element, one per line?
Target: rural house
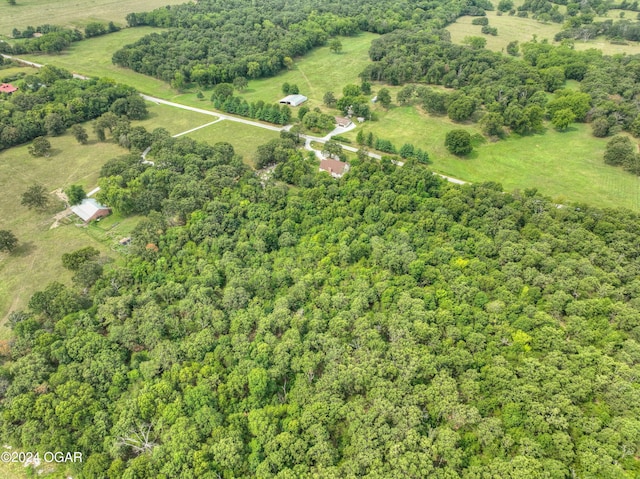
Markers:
<point>7,88</point>
<point>293,100</point>
<point>90,210</point>
<point>343,122</point>
<point>334,167</point>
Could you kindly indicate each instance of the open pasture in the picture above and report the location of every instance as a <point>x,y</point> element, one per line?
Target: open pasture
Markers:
<point>567,166</point>
<point>71,13</point>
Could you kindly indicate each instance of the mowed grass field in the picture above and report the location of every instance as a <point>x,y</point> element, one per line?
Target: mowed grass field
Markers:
<point>566,166</point>
<point>510,28</point>
<point>244,138</point>
<point>37,259</point>
<point>92,57</point>
<point>318,72</point>
<point>72,13</point>
<point>523,30</point>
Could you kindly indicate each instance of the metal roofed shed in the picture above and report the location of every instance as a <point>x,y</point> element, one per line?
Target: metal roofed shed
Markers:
<point>293,100</point>
<point>90,210</point>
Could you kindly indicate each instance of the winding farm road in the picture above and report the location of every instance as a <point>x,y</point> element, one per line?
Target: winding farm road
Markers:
<point>223,116</point>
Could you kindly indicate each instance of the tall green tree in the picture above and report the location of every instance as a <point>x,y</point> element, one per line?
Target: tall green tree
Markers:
<point>458,142</point>
<point>80,134</point>
<point>335,45</point>
<point>384,97</point>
<point>40,146</point>
<point>75,194</point>
<point>8,241</point>
<point>36,197</point>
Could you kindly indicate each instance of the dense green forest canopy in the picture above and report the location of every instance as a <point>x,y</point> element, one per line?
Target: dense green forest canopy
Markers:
<point>216,41</point>
<point>388,324</point>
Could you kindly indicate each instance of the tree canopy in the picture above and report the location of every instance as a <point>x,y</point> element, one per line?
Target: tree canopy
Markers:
<point>385,323</point>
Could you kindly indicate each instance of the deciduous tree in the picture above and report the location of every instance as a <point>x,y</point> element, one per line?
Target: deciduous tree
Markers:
<point>75,194</point>
<point>40,146</point>
<point>8,241</point>
<point>80,134</point>
<point>35,197</point>
<point>458,142</point>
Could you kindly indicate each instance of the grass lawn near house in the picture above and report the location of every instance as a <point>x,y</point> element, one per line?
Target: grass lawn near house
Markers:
<point>244,138</point>
<point>72,13</point>
<point>36,262</point>
<point>8,72</point>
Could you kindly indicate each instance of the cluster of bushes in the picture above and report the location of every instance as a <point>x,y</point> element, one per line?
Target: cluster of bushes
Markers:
<point>616,31</point>
<point>316,120</point>
<point>621,151</point>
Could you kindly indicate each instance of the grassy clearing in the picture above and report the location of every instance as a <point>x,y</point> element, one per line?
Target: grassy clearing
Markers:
<point>509,29</point>
<point>9,72</point>
<point>92,57</point>
<point>318,72</point>
<point>174,120</point>
<point>315,74</point>
<point>512,28</point>
<point>567,166</point>
<point>37,260</point>
<point>71,13</point>
<point>244,138</point>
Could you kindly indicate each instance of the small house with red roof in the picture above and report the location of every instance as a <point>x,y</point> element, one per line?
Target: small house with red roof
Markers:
<point>7,88</point>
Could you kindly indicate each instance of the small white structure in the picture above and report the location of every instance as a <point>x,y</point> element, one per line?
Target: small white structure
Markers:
<point>89,210</point>
<point>293,100</point>
<point>334,167</point>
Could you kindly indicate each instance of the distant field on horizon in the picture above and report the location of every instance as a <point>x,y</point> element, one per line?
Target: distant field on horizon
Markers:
<point>512,28</point>
<point>72,13</point>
